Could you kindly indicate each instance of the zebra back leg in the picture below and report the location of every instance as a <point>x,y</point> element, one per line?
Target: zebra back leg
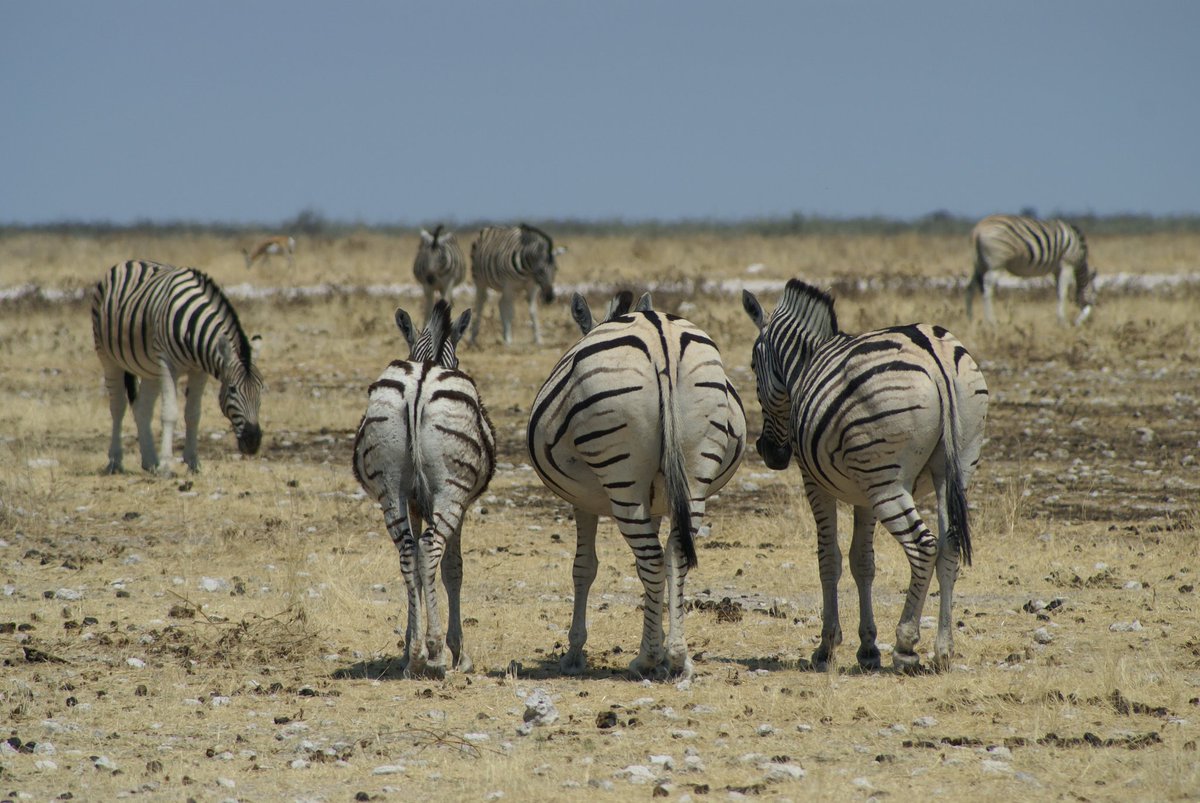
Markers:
<point>583,572</point>
<point>989,289</point>
<point>191,419</point>
<point>897,511</point>
<point>829,561</point>
<point>114,383</point>
<point>399,516</point>
<point>641,533</point>
<point>862,569</point>
<point>143,412</point>
<point>678,662</point>
<point>444,528</point>
<point>452,576</point>
<point>533,313</point>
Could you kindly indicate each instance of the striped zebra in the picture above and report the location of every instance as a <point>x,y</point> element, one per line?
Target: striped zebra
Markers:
<point>1026,247</point>
<point>874,420</point>
<point>155,322</point>
<point>638,421</point>
<point>439,265</point>
<point>425,450</point>
<point>508,259</point>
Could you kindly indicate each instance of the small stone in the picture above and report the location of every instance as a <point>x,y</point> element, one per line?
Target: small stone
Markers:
<point>539,708</point>
<point>924,722</point>
<point>69,594</point>
<point>765,729</point>
<point>1125,627</point>
<point>776,773</point>
<point>1042,636</point>
<point>388,769</point>
<point>104,763</point>
<point>666,762</point>
<point>136,663</point>
<point>636,774</point>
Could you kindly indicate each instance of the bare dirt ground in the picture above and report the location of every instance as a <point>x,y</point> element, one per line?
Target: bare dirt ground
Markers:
<point>231,634</point>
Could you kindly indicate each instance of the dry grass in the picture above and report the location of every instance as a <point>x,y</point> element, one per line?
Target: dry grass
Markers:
<point>231,634</point>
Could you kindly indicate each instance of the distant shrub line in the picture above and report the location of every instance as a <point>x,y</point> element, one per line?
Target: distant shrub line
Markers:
<point>313,224</point>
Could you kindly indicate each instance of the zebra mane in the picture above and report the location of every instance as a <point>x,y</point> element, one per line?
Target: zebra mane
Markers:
<point>214,291</point>
<point>437,232</point>
<point>434,344</point>
<point>525,227</point>
<point>810,307</point>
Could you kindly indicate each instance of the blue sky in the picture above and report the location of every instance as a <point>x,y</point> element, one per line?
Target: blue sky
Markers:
<point>410,113</point>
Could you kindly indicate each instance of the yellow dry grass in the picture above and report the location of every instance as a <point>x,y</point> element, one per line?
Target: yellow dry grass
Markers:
<point>232,634</point>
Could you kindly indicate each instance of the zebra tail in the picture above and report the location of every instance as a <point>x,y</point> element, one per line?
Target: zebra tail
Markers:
<point>130,387</point>
<point>674,470</point>
<point>956,493</point>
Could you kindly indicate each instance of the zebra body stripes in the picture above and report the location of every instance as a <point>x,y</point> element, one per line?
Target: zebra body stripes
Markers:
<point>1027,247</point>
<point>153,322</point>
<point>638,421</point>
<point>875,420</point>
<point>425,450</point>
<point>439,265</point>
<point>508,259</point>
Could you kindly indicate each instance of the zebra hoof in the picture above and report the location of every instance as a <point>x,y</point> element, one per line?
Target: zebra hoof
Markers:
<point>821,659</point>
<point>868,658</point>
<point>573,663</point>
<point>114,468</point>
<point>908,663</point>
<point>463,663</point>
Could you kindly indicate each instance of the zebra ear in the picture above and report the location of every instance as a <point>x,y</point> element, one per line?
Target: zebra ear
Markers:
<point>460,326</point>
<point>256,345</point>
<point>645,303</point>
<point>406,326</point>
<point>426,236</point>
<point>581,312</point>
<point>753,309</point>
<point>561,249</point>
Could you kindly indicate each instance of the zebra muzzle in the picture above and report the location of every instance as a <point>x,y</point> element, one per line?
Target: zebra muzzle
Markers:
<point>249,439</point>
<point>777,456</point>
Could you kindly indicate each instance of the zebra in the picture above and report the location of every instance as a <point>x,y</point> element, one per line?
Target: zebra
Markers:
<point>509,258</point>
<point>425,450</point>
<point>153,321</point>
<point>873,420</point>
<point>1025,246</point>
<point>439,265</point>
<point>637,420</point>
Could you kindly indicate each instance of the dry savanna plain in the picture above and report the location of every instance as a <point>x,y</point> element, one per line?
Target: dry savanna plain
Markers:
<point>232,634</point>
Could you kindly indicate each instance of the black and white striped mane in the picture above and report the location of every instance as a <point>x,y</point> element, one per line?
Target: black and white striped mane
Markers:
<point>213,291</point>
<point>433,343</point>
<point>810,308</point>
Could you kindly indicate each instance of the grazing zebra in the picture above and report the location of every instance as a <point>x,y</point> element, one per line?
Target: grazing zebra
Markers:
<point>638,421</point>
<point>269,247</point>
<point>1024,246</point>
<point>439,265</point>
<point>425,450</point>
<point>874,420</point>
<point>507,259</point>
<point>155,322</point>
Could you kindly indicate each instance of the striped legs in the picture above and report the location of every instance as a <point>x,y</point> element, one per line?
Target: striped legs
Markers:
<point>678,661</point>
<point>143,413</point>
<point>641,533</point>
<point>584,574</point>
<point>452,575</point>
<point>897,512</point>
<point>191,419</point>
<point>862,569</point>
<point>947,573</point>
<point>114,382</point>
<point>481,294</point>
<point>533,313</point>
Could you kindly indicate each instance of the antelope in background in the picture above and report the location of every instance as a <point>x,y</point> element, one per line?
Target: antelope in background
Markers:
<point>271,246</point>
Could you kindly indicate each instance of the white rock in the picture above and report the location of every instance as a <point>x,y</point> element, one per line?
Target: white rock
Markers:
<point>666,762</point>
<point>539,708</point>
<point>299,764</point>
<point>105,763</point>
<point>765,729</point>
<point>996,767</point>
<point>69,594</point>
<point>388,769</point>
<point>1042,636</point>
<point>476,737</point>
<point>924,722</point>
<point>1125,627</point>
<point>45,765</point>
<point>228,783</point>
<point>775,773</point>
<point>636,774</point>
<point>136,663</point>
<point>213,584</point>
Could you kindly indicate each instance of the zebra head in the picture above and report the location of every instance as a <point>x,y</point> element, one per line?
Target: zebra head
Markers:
<point>785,344</point>
<point>621,304</point>
<point>538,252</point>
<point>241,389</point>
<point>438,341</point>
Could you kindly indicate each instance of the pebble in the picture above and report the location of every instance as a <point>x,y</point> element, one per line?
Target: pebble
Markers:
<point>69,594</point>
<point>1125,627</point>
<point>783,772</point>
<point>388,769</point>
<point>636,774</point>
<point>539,708</point>
<point>765,729</point>
<point>136,663</point>
<point>1042,636</point>
<point>924,722</point>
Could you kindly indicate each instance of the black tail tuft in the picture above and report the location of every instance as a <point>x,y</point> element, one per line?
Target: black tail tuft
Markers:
<point>957,511</point>
<point>682,519</point>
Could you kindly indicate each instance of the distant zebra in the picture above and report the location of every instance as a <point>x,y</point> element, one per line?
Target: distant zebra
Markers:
<point>425,450</point>
<point>508,259</point>
<point>1024,246</point>
<point>439,265</point>
<point>271,246</point>
<point>874,420</point>
<point>638,421</point>
<point>156,322</point>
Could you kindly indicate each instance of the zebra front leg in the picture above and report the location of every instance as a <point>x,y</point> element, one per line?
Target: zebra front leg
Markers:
<point>191,419</point>
<point>862,569</point>
<point>428,288</point>
<point>114,383</point>
<point>829,563</point>
<point>143,414</point>
<point>506,314</point>
<point>1064,281</point>
<point>452,576</point>
<point>897,512</point>
<point>678,662</point>
<point>481,294</point>
<point>533,314</point>
<point>169,415</point>
<point>583,572</point>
